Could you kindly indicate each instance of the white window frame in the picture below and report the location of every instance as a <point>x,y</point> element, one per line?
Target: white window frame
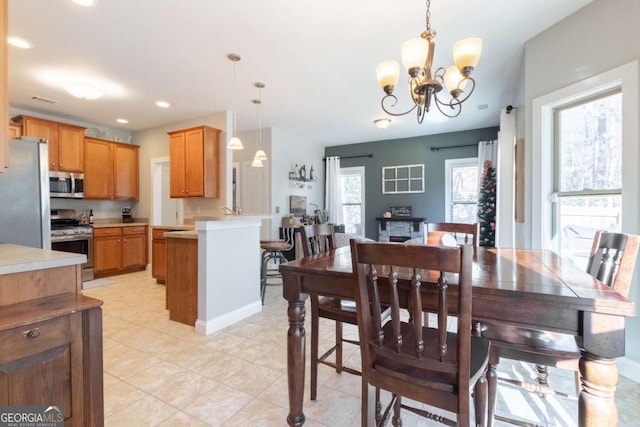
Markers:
<point>542,182</point>
<point>357,170</point>
<point>449,164</point>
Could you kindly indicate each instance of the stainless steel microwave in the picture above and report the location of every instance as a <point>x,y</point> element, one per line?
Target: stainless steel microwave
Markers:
<point>66,185</point>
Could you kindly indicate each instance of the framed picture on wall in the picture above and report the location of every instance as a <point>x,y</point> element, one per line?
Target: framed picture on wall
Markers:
<point>403,179</point>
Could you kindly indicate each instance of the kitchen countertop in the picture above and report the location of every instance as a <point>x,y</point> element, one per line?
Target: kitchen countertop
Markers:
<point>18,259</point>
<point>187,234</point>
<point>173,227</point>
<point>120,224</point>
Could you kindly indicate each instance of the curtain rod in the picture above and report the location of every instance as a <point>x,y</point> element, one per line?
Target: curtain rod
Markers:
<point>352,157</point>
<point>452,146</point>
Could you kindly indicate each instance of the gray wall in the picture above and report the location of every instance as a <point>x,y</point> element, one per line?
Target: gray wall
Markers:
<point>429,204</point>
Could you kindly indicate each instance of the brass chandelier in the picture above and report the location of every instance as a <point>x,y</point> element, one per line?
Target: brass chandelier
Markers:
<point>417,57</point>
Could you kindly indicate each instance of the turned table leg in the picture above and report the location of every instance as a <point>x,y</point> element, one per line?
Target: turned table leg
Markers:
<point>596,404</point>
<point>295,362</point>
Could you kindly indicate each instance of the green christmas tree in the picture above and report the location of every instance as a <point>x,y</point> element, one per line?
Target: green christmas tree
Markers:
<point>487,205</point>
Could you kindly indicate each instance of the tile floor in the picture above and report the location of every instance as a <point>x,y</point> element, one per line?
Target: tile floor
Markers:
<point>161,373</point>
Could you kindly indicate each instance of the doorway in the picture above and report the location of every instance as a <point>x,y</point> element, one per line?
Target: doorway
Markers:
<point>164,209</point>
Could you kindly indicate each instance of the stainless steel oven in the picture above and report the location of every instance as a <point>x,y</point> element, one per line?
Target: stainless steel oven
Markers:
<point>68,235</point>
<point>79,244</point>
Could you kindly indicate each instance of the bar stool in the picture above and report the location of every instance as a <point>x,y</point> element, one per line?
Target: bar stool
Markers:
<point>272,250</point>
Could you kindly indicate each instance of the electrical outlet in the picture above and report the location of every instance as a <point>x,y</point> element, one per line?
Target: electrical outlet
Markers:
<point>277,209</point>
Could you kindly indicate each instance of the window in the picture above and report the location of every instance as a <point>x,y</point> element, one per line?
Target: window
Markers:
<point>403,179</point>
<point>352,184</point>
<point>588,172</point>
<point>461,190</point>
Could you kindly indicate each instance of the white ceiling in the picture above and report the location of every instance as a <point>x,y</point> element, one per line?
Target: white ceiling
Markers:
<point>317,59</point>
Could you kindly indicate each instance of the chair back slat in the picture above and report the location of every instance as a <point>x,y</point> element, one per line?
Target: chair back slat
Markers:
<point>317,238</point>
<point>417,308</point>
<point>442,315</point>
<point>612,259</point>
<point>414,275</point>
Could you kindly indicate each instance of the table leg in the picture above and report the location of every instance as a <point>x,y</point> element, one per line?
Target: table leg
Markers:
<point>295,362</point>
<point>596,405</point>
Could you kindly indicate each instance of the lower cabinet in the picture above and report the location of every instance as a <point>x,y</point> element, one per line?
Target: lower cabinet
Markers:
<point>159,255</point>
<point>54,361</point>
<point>119,250</point>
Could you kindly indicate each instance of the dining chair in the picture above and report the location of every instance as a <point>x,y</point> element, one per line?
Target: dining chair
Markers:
<point>611,260</point>
<point>427,365</point>
<point>316,239</point>
<point>463,233</point>
<point>272,250</point>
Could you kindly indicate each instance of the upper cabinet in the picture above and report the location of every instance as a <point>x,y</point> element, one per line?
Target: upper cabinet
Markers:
<point>194,163</point>
<point>15,130</point>
<point>66,142</point>
<point>111,170</point>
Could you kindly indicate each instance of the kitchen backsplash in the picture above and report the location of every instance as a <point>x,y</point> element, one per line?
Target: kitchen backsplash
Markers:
<point>101,208</point>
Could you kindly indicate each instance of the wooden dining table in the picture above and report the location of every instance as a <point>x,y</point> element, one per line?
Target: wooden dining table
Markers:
<point>532,288</point>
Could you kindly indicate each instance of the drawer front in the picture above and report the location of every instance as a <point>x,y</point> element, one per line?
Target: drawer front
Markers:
<point>159,234</point>
<point>134,230</point>
<point>107,231</point>
<point>34,338</point>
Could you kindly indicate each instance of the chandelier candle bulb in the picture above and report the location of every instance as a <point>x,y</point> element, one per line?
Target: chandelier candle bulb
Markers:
<point>454,81</point>
<point>414,54</point>
<point>466,53</point>
<point>388,73</point>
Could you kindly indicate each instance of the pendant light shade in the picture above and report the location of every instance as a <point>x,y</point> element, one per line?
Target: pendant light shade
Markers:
<point>234,142</point>
<point>260,154</point>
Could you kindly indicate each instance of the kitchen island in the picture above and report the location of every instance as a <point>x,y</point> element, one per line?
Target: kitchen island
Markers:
<point>50,335</point>
<point>213,272</point>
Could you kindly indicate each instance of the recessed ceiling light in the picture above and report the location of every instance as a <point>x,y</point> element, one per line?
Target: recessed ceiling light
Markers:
<point>85,2</point>
<point>163,104</point>
<point>382,123</point>
<point>83,90</point>
<point>123,121</point>
<point>19,42</point>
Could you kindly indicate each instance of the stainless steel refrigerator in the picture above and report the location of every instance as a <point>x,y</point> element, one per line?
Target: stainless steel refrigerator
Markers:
<point>24,195</point>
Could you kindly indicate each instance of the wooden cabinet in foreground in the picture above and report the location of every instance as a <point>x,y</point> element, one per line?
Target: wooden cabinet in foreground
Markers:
<point>194,162</point>
<point>112,170</point>
<point>66,142</point>
<point>118,250</point>
<point>50,339</point>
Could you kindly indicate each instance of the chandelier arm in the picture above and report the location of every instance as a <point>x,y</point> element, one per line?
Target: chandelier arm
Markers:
<point>455,106</point>
<point>395,101</point>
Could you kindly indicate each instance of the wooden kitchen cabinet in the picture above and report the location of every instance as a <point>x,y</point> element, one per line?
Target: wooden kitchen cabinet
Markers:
<point>134,247</point>
<point>112,170</point>
<point>194,162</point>
<point>118,250</point>
<point>15,130</point>
<point>66,142</point>
<point>107,251</point>
<point>159,255</point>
<point>51,340</point>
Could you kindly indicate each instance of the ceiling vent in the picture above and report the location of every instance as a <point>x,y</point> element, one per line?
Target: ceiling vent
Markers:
<point>43,99</point>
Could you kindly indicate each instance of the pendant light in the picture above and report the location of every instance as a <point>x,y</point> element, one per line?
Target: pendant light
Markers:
<point>260,154</point>
<point>234,142</point>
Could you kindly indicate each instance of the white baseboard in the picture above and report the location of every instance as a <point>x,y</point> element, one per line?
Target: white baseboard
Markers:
<point>629,368</point>
<point>207,327</point>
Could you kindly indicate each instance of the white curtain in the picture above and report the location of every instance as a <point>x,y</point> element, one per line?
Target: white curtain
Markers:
<point>333,196</point>
<point>487,196</point>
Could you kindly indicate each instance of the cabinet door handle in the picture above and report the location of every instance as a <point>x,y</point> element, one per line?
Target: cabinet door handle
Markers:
<point>33,333</point>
